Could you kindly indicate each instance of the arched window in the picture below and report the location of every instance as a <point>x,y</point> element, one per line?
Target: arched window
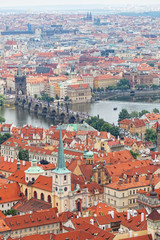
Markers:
<point>26,192</point>
<point>35,194</point>
<point>42,196</point>
<point>49,198</point>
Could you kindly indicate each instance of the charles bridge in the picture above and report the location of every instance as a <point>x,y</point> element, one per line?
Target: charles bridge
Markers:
<point>56,112</point>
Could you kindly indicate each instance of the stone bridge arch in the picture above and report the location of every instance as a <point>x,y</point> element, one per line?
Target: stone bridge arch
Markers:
<point>72,119</point>
<point>36,107</point>
<point>53,113</point>
<point>29,105</point>
<point>44,111</point>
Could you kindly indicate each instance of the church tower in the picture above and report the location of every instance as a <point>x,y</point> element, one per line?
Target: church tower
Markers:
<point>61,181</point>
<point>20,82</point>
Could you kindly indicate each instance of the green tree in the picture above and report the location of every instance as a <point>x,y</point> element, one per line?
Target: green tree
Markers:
<point>143,112</point>
<point>155,110</point>
<point>123,114</point>
<point>94,89</point>
<point>2,98</point>
<point>111,88</point>
<point>135,155</point>
<point>151,64</point>
<point>23,154</point>
<point>4,137</point>
<point>154,86</point>
<point>106,127</point>
<point>134,114</point>
<point>2,119</point>
<point>102,89</point>
<point>66,98</point>
<point>35,95</point>
<point>115,131</point>
<point>101,125</point>
<point>57,98</point>
<point>123,84</point>
<point>96,123</point>
<point>98,89</point>
<point>151,135</point>
<point>12,212</point>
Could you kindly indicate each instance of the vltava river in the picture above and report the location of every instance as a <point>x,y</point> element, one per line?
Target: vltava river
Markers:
<point>20,117</point>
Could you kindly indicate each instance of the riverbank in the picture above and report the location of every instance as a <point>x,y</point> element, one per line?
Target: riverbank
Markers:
<point>116,94</point>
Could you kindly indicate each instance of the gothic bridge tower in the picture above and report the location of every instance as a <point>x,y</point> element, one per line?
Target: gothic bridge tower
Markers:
<point>20,82</point>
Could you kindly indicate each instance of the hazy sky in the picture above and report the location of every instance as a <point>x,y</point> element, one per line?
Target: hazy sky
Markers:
<point>15,3</point>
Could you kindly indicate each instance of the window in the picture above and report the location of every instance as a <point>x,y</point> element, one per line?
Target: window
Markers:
<point>35,194</point>
<point>42,196</point>
<point>65,177</point>
<point>123,194</point>
<point>26,192</point>
<point>65,189</point>
<point>130,192</point>
<point>49,198</point>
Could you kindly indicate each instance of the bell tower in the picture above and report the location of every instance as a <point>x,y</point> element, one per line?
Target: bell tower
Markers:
<point>20,82</point>
<point>61,181</point>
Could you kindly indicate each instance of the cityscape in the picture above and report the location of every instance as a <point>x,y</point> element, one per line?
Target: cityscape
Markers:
<point>80,120</point>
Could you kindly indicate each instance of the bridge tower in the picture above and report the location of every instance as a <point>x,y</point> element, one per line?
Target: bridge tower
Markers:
<point>20,82</point>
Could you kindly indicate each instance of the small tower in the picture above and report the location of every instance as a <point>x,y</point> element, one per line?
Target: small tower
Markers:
<point>33,172</point>
<point>61,181</point>
<point>20,82</point>
<point>85,153</point>
<point>72,68</point>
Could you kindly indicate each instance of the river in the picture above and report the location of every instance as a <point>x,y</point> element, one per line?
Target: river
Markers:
<point>20,117</point>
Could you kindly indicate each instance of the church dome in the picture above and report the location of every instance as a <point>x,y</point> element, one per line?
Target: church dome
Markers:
<point>89,154</point>
<point>34,168</point>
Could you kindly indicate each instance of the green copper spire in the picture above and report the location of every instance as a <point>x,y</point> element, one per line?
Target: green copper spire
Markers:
<point>60,161</point>
<point>61,167</point>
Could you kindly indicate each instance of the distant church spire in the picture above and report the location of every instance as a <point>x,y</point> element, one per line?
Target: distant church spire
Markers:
<point>61,167</point>
<point>60,160</point>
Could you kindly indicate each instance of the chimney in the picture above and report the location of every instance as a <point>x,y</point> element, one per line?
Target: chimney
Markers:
<point>128,214</point>
<point>91,221</point>
<point>109,135</point>
<point>87,139</point>
<point>112,214</point>
<point>142,217</point>
<point>130,233</point>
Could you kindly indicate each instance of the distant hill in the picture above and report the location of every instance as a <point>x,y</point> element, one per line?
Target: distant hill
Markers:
<point>141,14</point>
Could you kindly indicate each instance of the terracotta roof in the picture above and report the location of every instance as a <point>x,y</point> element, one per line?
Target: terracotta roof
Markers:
<point>43,182</point>
<point>154,215</point>
<point>10,193</point>
<point>144,237</point>
<point>33,204</point>
<point>39,218</point>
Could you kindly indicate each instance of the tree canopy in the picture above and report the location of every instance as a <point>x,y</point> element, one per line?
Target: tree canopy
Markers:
<point>23,154</point>
<point>123,115</point>
<point>155,110</point>
<point>4,137</point>
<point>101,125</point>
<point>151,135</point>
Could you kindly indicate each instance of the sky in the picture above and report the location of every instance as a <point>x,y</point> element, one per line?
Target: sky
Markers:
<point>15,3</point>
